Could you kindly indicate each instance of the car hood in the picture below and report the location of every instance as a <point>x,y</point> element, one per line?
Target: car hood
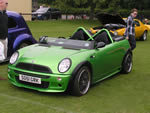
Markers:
<point>110,19</point>
<point>48,56</point>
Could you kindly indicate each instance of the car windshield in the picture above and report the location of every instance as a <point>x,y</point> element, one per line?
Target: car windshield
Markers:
<point>43,10</point>
<point>70,44</point>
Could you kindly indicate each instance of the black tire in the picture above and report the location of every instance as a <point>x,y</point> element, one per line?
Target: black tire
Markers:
<point>45,18</point>
<point>50,17</point>
<point>57,18</point>
<point>82,82</point>
<point>127,63</point>
<point>24,44</point>
<point>144,37</point>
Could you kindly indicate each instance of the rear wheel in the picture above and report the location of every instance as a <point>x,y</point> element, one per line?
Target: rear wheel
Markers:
<point>82,81</point>
<point>127,63</point>
<point>45,18</point>
<point>144,37</point>
<point>50,17</point>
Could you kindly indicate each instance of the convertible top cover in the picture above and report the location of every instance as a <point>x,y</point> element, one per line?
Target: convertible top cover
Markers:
<point>68,43</point>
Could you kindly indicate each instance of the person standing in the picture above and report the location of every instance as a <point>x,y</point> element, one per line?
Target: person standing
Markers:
<point>130,29</point>
<point>146,21</point>
<point>3,27</point>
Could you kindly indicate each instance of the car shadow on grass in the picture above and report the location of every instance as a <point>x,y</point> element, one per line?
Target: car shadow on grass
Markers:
<point>59,94</point>
<point>62,94</point>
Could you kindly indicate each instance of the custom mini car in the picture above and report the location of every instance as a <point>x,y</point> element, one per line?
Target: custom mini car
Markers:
<point>19,34</point>
<point>72,64</point>
<point>117,25</point>
<point>46,13</point>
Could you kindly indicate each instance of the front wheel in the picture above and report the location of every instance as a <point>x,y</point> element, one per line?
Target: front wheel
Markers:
<point>144,37</point>
<point>82,81</point>
<point>127,63</point>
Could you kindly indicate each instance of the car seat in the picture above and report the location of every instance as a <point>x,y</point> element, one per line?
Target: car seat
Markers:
<point>102,37</point>
<point>81,34</point>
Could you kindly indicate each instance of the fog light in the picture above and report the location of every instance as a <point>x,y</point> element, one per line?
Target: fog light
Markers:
<point>59,85</point>
<point>59,78</point>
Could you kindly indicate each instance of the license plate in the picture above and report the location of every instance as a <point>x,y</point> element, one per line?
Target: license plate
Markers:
<point>30,79</point>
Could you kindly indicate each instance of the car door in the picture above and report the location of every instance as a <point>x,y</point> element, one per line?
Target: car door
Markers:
<point>108,60</point>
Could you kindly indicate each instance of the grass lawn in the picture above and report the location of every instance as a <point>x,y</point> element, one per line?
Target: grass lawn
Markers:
<point>119,94</point>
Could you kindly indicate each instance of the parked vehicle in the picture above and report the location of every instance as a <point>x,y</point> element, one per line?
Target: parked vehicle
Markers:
<point>19,34</point>
<point>72,64</point>
<point>46,13</point>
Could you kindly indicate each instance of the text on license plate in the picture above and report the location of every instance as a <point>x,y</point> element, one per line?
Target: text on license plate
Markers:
<point>30,79</point>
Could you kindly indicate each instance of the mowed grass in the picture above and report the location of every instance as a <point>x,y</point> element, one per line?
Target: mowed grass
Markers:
<point>119,94</point>
<point>60,28</point>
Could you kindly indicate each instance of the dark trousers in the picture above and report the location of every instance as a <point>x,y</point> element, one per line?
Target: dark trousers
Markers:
<point>132,42</point>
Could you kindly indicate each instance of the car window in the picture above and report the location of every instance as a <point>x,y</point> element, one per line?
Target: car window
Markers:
<point>52,9</point>
<point>11,23</point>
<point>49,9</point>
<point>56,10</point>
<point>137,23</point>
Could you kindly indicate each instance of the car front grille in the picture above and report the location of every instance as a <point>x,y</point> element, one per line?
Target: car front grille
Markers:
<point>34,67</point>
<point>44,84</point>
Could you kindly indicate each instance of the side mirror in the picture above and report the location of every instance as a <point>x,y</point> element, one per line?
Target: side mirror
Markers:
<point>100,45</point>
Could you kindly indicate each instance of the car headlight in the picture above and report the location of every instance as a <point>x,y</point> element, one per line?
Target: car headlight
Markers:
<point>115,33</point>
<point>14,58</point>
<point>64,65</point>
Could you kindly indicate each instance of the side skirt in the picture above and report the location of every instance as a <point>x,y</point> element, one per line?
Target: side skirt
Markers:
<point>115,72</point>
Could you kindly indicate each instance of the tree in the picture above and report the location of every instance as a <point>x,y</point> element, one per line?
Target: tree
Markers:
<point>93,6</point>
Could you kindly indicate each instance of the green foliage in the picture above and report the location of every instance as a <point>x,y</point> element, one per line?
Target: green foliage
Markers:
<point>91,7</point>
<point>46,1</point>
<point>56,28</point>
<point>124,12</point>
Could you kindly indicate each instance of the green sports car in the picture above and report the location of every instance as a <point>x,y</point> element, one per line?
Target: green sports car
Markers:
<point>74,64</point>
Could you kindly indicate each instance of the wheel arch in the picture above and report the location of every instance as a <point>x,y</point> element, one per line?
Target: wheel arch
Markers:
<point>145,31</point>
<point>128,51</point>
<point>23,38</point>
<point>84,63</point>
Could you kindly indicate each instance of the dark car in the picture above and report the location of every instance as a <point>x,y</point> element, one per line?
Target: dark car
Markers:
<point>19,34</point>
<point>46,13</point>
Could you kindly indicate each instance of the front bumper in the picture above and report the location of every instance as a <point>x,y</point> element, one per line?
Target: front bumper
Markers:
<point>49,82</point>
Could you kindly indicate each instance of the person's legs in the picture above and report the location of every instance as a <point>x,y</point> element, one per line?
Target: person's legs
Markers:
<point>5,43</point>
<point>5,47</point>
<point>132,42</point>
